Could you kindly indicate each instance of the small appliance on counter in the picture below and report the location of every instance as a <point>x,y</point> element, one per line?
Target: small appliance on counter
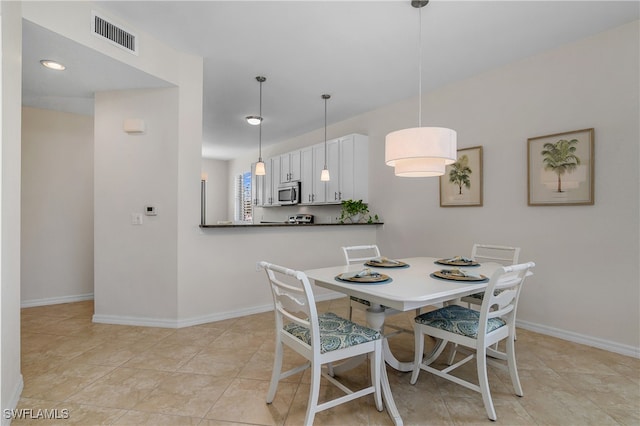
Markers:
<point>301,218</point>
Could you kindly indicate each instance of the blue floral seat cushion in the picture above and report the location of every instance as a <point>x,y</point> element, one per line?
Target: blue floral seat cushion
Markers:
<point>458,319</point>
<point>335,333</point>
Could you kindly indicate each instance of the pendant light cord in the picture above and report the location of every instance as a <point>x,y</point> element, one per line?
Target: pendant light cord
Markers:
<point>325,132</point>
<point>420,67</point>
<point>260,127</point>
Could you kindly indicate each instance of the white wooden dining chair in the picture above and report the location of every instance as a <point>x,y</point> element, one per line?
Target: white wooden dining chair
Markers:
<point>477,330</point>
<point>321,339</point>
<point>360,254</point>
<point>503,255</point>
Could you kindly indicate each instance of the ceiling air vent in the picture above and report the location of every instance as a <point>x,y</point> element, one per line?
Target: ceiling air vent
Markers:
<point>114,34</point>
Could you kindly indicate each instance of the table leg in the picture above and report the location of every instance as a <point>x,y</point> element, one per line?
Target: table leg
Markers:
<point>392,360</point>
<point>375,320</point>
<point>435,352</point>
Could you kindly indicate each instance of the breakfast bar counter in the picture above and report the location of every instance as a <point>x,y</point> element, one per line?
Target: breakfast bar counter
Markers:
<point>284,224</point>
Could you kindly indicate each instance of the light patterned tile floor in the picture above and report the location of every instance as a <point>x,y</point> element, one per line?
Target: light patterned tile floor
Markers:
<point>218,374</point>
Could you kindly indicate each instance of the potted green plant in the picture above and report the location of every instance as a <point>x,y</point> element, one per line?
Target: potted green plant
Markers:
<point>356,211</point>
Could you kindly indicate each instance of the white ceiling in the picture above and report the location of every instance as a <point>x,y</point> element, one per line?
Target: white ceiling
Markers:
<point>363,53</point>
<point>88,71</point>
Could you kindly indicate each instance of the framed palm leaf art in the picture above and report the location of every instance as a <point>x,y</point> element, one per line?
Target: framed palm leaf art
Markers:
<point>461,184</point>
<point>560,169</point>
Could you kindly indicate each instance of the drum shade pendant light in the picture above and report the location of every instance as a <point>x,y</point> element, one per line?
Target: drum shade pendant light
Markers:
<point>260,170</point>
<point>420,151</point>
<point>324,175</point>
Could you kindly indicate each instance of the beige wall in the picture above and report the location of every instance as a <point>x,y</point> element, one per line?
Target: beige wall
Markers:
<point>10,88</point>
<point>136,265</point>
<point>57,207</point>
<point>217,190</point>
<point>589,83</point>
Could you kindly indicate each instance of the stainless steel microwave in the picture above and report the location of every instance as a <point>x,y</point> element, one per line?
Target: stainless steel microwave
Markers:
<point>289,193</point>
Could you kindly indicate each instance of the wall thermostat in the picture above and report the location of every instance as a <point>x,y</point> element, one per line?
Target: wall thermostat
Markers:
<point>150,210</point>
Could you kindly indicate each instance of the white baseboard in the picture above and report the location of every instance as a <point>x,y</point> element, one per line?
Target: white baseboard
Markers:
<point>188,322</point>
<point>12,403</point>
<point>137,321</point>
<point>224,315</point>
<point>570,336</point>
<point>171,323</point>
<point>56,300</point>
<point>595,342</point>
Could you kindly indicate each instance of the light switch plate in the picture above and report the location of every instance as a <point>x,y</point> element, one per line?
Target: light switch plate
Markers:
<point>136,218</point>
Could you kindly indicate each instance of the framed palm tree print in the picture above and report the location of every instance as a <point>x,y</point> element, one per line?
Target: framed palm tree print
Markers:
<point>560,169</point>
<point>461,184</point>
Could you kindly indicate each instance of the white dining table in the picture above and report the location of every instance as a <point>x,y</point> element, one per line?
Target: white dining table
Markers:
<point>409,288</point>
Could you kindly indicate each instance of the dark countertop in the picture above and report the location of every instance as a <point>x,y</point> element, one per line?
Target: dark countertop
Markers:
<point>283,224</point>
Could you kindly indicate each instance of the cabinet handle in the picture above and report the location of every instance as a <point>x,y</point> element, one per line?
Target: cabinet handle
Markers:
<point>339,195</point>
<point>309,197</point>
<point>335,196</point>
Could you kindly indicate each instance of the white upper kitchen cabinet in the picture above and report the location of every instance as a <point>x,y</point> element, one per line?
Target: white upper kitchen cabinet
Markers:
<point>333,164</point>
<point>273,181</point>
<point>267,183</point>
<point>290,167</point>
<point>313,190</point>
<point>257,187</point>
<point>354,168</point>
<point>348,164</point>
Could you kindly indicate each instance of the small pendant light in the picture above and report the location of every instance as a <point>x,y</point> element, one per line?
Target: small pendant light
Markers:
<point>260,170</point>
<point>324,175</point>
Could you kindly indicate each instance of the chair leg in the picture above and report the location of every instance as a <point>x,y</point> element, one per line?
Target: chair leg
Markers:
<point>452,355</point>
<point>483,381</point>
<point>330,371</point>
<point>275,374</point>
<point>350,310</point>
<point>513,369</point>
<point>314,393</point>
<point>417,354</point>
<point>376,366</point>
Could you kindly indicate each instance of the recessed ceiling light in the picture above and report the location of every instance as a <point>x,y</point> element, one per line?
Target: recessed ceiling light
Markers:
<point>53,65</point>
<point>254,120</point>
